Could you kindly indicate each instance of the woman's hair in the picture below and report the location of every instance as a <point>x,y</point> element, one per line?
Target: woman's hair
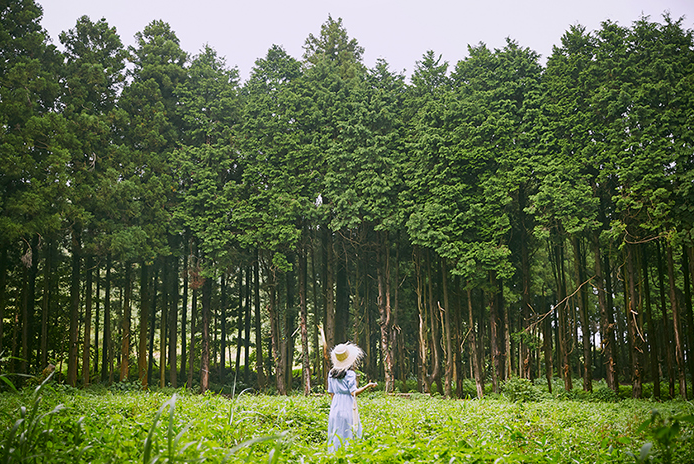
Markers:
<point>338,373</point>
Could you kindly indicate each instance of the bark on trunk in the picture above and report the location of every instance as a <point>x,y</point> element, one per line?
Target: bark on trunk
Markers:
<point>125,327</point>
<point>205,354</point>
<point>606,320</point>
<point>258,325</point>
<point>475,347</point>
<point>305,359</point>
<point>652,332</point>
<point>145,299</point>
<point>677,326</point>
<point>384,309</point>
<point>107,322</point>
<point>86,346</point>
<point>635,328</point>
<point>74,306</point>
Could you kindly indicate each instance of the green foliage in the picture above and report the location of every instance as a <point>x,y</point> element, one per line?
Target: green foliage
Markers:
<point>521,390</point>
<point>99,426</point>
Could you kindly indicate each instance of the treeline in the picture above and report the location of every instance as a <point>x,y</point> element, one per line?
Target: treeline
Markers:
<point>161,220</point>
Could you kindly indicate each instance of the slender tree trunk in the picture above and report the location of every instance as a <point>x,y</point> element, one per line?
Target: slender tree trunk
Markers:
<point>239,322</point>
<point>184,314</point>
<point>547,343</point>
<point>688,271</point>
<point>205,355</point>
<point>606,321</point>
<point>435,339</point>
<point>223,324</point>
<point>447,329</point>
<point>634,326</point>
<point>144,322</point>
<point>494,325</point>
<point>173,323</point>
<point>247,328</point>
<point>475,346</point>
<point>125,346</point>
<point>45,304</point>
<point>305,360</point>
<point>422,332</point>
<point>579,260</point>
<point>97,317</point>
<point>152,323</point>
<point>163,321</point>
<point>275,333</point>
<point>677,325</point>
<point>89,265</point>
<point>193,332</point>
<point>666,332</point>
<point>384,309</point>
<point>258,324</point>
<point>74,306</point>
<point>107,321</point>
<point>29,308</point>
<point>3,290</point>
<point>652,332</point>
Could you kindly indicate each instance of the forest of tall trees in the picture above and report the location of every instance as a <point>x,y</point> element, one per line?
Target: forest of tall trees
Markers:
<point>162,221</point>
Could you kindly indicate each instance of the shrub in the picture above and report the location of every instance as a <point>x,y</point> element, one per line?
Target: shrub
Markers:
<point>520,390</point>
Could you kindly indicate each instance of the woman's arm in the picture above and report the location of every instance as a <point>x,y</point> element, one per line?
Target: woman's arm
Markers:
<point>361,389</point>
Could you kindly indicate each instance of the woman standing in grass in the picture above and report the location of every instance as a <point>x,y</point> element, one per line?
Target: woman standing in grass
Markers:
<point>343,422</point>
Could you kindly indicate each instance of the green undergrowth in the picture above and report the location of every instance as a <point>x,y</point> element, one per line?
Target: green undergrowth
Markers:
<point>100,425</point>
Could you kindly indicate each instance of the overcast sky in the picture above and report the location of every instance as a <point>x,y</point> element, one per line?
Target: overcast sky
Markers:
<point>399,31</point>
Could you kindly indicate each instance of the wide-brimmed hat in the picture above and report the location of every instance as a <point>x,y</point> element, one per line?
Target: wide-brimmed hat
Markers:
<point>344,355</point>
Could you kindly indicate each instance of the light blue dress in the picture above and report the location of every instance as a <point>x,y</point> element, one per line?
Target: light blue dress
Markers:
<point>343,422</point>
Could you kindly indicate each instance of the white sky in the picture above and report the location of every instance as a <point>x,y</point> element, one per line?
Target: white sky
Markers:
<point>400,31</point>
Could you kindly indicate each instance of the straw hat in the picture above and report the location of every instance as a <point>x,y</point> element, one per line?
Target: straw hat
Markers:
<point>344,355</point>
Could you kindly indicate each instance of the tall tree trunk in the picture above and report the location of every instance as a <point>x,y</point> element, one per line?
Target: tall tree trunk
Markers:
<point>89,265</point>
<point>125,345</point>
<point>547,342</point>
<point>173,323</point>
<point>305,364</point>
<point>28,307</point>
<point>163,321</point>
<point>184,313</point>
<point>193,332</point>
<point>144,322</point>
<point>666,331</point>
<point>384,308</point>
<point>494,326</point>
<point>475,345</point>
<point>3,289</point>
<point>652,332</point>
<point>606,320</point>
<point>247,328</point>
<point>97,316</point>
<point>562,310</point>
<point>239,321</point>
<point>258,324</point>
<point>341,290</point>
<point>45,304</point>
<point>107,321</point>
<point>205,340</point>
<point>74,306</point>
<point>688,271</point>
<point>447,329</point>
<point>634,325</point>
<point>153,323</point>
<point>276,335</point>
<point>223,324</point>
<point>329,293</point>
<point>677,325</point>
<point>579,260</point>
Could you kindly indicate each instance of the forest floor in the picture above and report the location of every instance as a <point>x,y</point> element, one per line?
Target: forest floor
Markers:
<point>56,423</point>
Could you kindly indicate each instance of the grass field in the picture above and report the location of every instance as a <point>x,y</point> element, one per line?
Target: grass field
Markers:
<point>59,424</point>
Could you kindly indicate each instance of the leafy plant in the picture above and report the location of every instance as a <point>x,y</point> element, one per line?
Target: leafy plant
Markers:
<point>665,431</point>
<point>23,441</point>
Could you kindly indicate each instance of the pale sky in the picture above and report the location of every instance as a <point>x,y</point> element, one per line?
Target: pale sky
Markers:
<point>399,31</point>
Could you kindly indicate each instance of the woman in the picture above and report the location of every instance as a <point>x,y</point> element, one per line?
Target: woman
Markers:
<point>343,422</point>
